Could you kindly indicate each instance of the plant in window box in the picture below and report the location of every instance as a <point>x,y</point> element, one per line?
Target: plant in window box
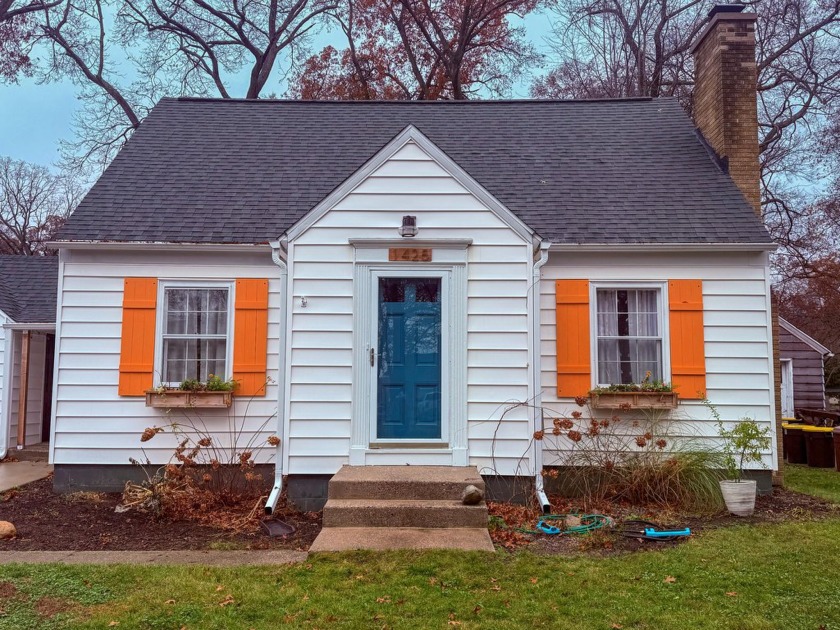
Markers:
<point>649,394</point>
<point>216,392</point>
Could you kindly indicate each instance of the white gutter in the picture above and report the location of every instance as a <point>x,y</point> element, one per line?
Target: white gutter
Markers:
<point>32,327</point>
<point>278,247</point>
<point>157,246</point>
<point>536,403</point>
<point>664,247</point>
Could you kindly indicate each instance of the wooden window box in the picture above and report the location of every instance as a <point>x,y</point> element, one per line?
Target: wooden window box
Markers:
<point>180,399</point>
<point>635,400</point>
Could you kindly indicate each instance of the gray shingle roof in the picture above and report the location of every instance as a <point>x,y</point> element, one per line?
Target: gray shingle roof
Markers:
<point>28,288</point>
<point>615,171</point>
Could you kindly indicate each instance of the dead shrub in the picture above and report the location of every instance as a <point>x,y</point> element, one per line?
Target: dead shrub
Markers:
<point>646,457</point>
<point>207,479</point>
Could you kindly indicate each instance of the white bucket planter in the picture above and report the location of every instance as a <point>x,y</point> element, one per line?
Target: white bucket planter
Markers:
<point>739,496</point>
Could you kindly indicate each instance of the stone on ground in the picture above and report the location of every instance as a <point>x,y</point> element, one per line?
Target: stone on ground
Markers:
<point>7,530</point>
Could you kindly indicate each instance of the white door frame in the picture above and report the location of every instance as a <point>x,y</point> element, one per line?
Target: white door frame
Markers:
<point>786,367</point>
<point>450,264</point>
<point>445,276</point>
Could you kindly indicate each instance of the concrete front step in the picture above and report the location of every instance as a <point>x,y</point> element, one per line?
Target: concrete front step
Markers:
<point>403,482</point>
<point>383,538</point>
<point>403,513</point>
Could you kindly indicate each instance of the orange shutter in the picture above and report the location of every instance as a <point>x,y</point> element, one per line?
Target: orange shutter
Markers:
<point>688,354</point>
<point>574,371</point>
<point>137,350</point>
<point>250,337</point>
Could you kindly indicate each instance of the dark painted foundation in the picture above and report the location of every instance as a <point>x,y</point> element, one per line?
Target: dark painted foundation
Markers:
<point>93,478</point>
<point>764,479</point>
<point>309,492</point>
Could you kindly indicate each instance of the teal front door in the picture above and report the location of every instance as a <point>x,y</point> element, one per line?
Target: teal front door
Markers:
<point>409,367</point>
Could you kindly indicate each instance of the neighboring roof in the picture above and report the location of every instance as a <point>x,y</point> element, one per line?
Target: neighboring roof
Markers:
<point>237,171</point>
<point>28,288</point>
<point>804,338</point>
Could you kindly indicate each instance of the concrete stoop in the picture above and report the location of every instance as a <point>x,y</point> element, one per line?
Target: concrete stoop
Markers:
<point>403,507</point>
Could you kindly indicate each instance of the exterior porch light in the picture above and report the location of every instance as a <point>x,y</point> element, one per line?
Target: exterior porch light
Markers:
<point>409,226</point>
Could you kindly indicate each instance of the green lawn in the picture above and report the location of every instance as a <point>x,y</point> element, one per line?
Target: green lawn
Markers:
<point>745,577</point>
<point>820,482</point>
<point>772,576</point>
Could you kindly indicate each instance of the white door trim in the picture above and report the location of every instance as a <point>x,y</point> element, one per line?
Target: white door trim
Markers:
<point>451,449</point>
<point>787,387</point>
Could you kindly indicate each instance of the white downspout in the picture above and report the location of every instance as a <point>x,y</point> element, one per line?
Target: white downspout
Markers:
<point>278,247</point>
<point>536,358</point>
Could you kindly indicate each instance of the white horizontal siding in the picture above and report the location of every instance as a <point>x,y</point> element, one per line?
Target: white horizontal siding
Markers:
<point>93,423</point>
<point>736,322</point>
<point>321,333</point>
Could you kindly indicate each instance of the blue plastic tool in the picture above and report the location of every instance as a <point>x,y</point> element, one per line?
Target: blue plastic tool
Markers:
<point>652,533</point>
<point>545,528</point>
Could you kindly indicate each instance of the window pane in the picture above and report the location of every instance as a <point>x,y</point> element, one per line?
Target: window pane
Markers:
<point>392,290</point>
<point>622,361</point>
<point>193,359</point>
<point>196,311</point>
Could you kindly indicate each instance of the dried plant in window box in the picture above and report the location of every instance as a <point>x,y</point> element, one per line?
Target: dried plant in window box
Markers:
<point>649,394</point>
<point>216,393</point>
<point>179,399</point>
<point>633,400</point>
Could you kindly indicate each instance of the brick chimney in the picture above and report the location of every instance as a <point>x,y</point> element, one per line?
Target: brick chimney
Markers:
<point>725,94</point>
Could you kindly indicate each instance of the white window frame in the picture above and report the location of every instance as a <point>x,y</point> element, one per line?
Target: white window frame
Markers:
<point>160,314</point>
<point>662,312</point>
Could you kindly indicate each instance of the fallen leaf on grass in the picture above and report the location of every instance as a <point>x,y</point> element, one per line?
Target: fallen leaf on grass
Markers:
<point>383,600</point>
<point>732,594</point>
<point>534,580</point>
<point>169,601</point>
<point>220,588</point>
<point>670,579</point>
<point>227,601</point>
<point>113,624</point>
<point>477,609</point>
<point>616,626</point>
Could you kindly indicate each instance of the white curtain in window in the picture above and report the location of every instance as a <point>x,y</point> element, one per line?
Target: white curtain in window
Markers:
<point>629,341</point>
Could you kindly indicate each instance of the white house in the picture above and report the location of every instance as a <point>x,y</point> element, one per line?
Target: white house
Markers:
<point>387,280</point>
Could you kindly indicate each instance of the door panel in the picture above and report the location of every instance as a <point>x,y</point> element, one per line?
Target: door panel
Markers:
<point>409,368</point>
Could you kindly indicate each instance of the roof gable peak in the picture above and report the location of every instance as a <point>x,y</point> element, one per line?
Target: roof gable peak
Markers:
<point>411,135</point>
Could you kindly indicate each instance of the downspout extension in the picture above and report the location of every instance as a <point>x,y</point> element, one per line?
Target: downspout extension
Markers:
<point>278,247</point>
<point>539,488</point>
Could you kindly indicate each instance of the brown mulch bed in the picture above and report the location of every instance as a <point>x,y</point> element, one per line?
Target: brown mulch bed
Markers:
<point>47,521</point>
<point>782,505</point>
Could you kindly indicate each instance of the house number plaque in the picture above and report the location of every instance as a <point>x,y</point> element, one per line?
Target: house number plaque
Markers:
<point>410,254</point>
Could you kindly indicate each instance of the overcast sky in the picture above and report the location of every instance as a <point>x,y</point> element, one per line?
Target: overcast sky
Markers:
<point>34,118</point>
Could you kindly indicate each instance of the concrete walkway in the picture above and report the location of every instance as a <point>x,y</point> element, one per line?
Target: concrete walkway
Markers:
<point>205,558</point>
<point>14,474</point>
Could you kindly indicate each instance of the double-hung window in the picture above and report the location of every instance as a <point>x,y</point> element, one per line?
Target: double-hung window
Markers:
<point>195,333</point>
<point>629,335</point>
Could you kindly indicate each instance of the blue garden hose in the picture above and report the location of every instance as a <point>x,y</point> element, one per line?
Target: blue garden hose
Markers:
<point>588,523</point>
